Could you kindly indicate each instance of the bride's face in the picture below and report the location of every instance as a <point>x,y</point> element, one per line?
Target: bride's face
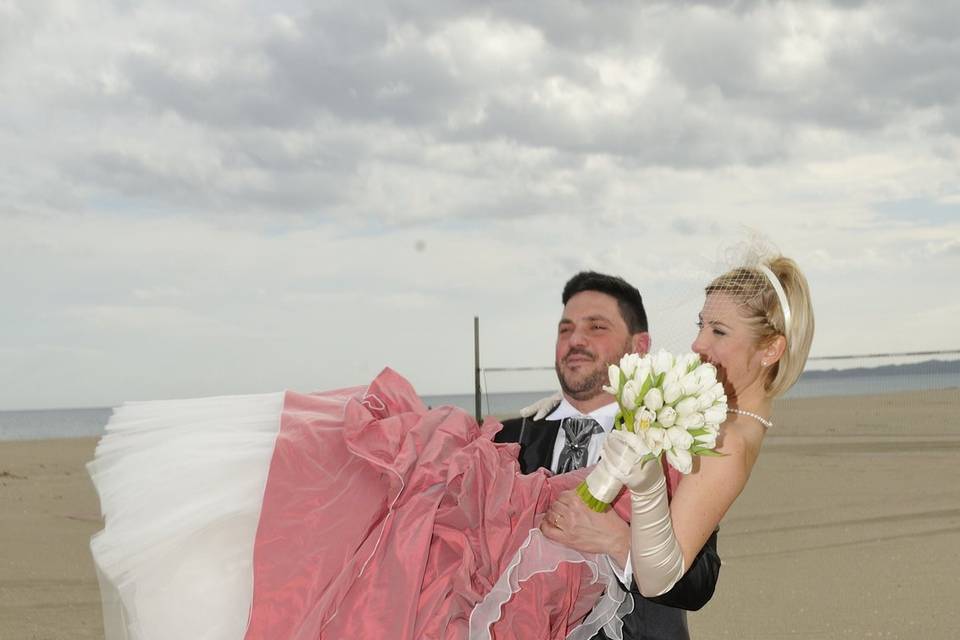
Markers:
<point>727,341</point>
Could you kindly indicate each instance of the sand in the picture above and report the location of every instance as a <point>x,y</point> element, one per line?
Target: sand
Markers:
<point>847,529</point>
<point>48,587</point>
<point>848,526</point>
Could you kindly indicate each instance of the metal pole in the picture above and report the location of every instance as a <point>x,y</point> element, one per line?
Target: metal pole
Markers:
<point>476,363</point>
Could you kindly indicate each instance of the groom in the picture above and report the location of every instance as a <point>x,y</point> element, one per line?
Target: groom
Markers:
<point>603,319</point>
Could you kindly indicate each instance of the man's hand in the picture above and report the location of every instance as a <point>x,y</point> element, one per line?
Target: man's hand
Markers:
<point>573,524</point>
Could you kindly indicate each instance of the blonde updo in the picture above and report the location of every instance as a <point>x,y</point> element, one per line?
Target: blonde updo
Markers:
<point>760,306</point>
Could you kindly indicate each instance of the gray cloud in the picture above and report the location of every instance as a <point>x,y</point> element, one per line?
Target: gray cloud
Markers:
<point>300,113</point>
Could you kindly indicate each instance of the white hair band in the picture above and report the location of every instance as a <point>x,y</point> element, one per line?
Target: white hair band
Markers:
<point>781,295</point>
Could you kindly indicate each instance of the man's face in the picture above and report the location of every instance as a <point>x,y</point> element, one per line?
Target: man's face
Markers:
<point>591,336</point>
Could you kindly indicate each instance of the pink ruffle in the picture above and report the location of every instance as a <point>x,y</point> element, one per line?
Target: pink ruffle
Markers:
<point>384,519</point>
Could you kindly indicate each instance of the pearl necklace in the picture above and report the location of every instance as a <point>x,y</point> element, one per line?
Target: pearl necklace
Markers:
<point>751,414</point>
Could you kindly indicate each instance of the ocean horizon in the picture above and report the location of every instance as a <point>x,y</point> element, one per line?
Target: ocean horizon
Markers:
<point>41,424</point>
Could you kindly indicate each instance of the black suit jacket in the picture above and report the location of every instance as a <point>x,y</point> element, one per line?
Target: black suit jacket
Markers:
<point>652,618</point>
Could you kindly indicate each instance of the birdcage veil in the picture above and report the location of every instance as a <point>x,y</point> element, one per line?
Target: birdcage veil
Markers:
<point>673,303</point>
<point>754,272</point>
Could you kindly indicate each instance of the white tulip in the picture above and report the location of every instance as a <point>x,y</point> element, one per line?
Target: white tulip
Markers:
<point>671,392</point>
<point>705,400</point>
<point>667,416</point>
<point>718,391</point>
<point>654,439</point>
<point>628,364</point>
<point>690,384</point>
<point>662,362</point>
<point>672,376</point>
<point>613,373</point>
<point>642,372</point>
<point>643,419</point>
<point>628,397</point>
<point>653,400</point>
<point>686,406</point>
<point>680,459</point>
<point>679,437</point>
<point>690,361</point>
<point>706,383</point>
<point>691,421</point>
<point>715,414</point>
<point>708,440</point>
<point>706,371</point>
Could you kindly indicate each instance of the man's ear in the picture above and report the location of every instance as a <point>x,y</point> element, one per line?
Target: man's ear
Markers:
<point>640,342</point>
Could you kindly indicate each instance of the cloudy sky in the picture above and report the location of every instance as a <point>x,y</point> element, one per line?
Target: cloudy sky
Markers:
<point>222,197</point>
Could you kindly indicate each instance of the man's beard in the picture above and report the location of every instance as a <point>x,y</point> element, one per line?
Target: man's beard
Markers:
<point>592,384</point>
<point>584,389</point>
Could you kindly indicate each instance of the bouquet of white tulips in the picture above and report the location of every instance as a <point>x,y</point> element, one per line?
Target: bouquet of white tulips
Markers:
<point>673,406</point>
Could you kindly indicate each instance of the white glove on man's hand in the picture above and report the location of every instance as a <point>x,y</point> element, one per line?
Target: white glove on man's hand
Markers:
<point>655,554</point>
<point>541,408</point>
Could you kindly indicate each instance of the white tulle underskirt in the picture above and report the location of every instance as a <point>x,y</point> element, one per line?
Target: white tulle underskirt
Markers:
<point>181,483</point>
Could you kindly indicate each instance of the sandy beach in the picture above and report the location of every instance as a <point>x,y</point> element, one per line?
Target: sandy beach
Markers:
<point>847,529</point>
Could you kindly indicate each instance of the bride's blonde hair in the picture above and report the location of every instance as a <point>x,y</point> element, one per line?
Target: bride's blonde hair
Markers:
<point>760,305</point>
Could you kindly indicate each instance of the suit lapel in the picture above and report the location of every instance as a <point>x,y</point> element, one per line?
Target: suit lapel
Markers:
<point>537,443</point>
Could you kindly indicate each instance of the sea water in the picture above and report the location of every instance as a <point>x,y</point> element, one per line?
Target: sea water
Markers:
<point>85,422</point>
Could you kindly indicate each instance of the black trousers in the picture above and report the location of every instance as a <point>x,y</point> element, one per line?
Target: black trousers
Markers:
<point>652,621</point>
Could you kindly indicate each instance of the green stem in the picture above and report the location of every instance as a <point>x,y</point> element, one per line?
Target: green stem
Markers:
<point>596,505</point>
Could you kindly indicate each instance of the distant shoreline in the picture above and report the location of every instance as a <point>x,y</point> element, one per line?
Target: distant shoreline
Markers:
<point>785,410</point>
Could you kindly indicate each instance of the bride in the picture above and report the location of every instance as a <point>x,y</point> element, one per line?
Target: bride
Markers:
<point>359,512</point>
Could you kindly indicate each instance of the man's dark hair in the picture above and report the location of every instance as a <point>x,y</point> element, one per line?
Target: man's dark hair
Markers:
<point>628,298</point>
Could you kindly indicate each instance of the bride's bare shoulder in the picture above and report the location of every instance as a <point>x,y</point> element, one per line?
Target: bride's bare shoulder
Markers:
<point>740,437</point>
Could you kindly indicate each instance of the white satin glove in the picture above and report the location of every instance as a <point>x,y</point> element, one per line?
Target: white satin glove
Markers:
<point>655,554</point>
<point>541,408</point>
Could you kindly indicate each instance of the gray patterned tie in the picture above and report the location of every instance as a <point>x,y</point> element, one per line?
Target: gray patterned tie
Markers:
<point>574,453</point>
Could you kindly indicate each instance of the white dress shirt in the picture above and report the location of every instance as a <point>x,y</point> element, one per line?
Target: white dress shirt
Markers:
<point>604,416</point>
